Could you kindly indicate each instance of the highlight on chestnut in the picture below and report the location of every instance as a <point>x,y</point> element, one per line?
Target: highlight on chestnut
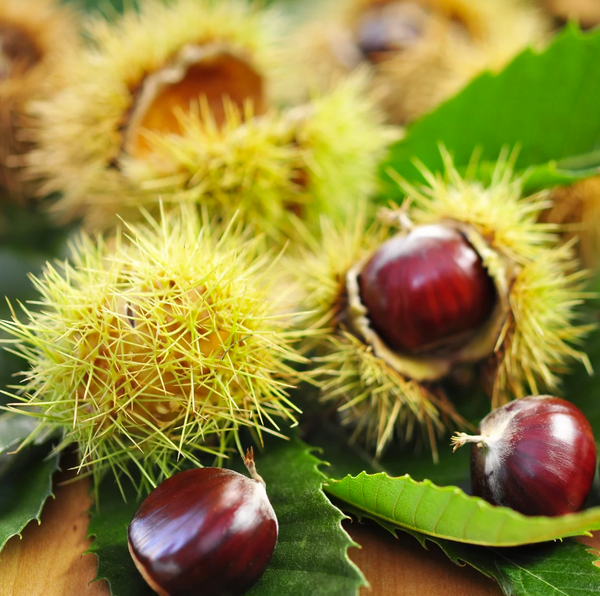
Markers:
<point>418,53</point>
<point>238,231</point>
<point>428,297</point>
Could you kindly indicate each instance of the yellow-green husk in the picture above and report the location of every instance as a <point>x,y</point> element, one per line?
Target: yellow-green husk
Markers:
<point>158,344</point>
<point>265,161</point>
<point>51,30</point>
<point>461,39</point>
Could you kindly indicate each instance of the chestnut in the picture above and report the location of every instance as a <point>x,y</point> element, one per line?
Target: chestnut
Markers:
<point>426,287</point>
<point>205,531</point>
<point>391,27</point>
<point>536,455</point>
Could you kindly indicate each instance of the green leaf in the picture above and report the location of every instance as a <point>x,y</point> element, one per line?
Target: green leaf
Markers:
<point>14,429</point>
<point>109,527</point>
<point>547,569</point>
<point>562,568</point>
<point>546,175</point>
<point>447,512</point>
<point>550,569</point>
<point>311,554</point>
<point>546,103</point>
<point>557,174</point>
<point>24,489</point>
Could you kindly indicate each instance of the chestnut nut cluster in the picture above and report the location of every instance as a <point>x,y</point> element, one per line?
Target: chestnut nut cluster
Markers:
<point>427,293</point>
<point>469,280</point>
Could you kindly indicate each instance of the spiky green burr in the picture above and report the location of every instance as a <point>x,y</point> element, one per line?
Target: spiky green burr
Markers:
<point>528,341</point>
<point>156,345</point>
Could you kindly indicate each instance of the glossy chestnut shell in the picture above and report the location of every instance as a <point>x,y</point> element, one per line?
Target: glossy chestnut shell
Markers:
<point>536,455</point>
<point>426,287</point>
<point>206,531</point>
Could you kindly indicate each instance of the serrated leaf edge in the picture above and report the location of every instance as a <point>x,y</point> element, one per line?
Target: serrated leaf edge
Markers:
<point>317,463</point>
<point>390,189</point>
<point>425,541</point>
<point>38,516</point>
<point>502,582</point>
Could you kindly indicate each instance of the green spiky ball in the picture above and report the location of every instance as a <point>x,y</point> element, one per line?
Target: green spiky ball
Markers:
<point>162,342</point>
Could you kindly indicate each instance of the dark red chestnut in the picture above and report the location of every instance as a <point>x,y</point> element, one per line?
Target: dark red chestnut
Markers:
<point>425,287</point>
<point>206,531</point>
<point>536,455</point>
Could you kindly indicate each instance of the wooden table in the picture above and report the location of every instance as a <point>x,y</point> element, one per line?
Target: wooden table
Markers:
<point>48,561</point>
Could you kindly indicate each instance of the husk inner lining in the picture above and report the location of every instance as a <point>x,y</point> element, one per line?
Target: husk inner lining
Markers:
<point>18,52</point>
<point>201,77</point>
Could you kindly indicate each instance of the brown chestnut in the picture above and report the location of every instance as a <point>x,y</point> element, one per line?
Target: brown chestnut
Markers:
<point>536,455</point>
<point>205,531</point>
<point>426,287</point>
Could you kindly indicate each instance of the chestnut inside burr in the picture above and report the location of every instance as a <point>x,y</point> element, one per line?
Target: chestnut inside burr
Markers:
<point>386,28</point>
<point>199,74</point>
<point>587,12</point>
<point>18,52</point>
<point>427,290</point>
<point>391,27</point>
<point>145,325</point>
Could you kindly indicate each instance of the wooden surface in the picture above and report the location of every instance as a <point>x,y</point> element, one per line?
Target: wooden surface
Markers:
<point>48,561</point>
